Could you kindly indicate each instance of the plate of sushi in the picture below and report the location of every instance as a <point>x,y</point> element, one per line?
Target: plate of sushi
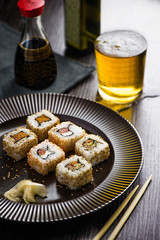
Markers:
<point>63,156</point>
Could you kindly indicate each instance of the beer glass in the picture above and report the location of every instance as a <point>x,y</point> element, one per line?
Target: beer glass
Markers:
<point>120,58</point>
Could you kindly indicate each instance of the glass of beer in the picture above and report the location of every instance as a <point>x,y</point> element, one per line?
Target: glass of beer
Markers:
<point>120,59</point>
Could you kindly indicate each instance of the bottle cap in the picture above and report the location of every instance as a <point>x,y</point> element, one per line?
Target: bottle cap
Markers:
<point>31,8</point>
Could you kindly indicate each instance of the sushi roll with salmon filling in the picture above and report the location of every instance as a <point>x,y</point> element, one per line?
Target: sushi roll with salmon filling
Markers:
<point>74,172</point>
<point>18,142</point>
<point>44,157</point>
<point>65,135</point>
<point>41,122</point>
<point>93,148</point>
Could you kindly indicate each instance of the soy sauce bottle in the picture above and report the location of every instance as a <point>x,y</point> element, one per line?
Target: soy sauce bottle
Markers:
<point>35,64</point>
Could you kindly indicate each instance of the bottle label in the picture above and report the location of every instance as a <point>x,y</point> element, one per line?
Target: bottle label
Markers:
<point>73,22</point>
<point>82,22</point>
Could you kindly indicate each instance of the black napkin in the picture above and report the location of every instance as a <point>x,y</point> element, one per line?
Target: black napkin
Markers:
<point>70,72</point>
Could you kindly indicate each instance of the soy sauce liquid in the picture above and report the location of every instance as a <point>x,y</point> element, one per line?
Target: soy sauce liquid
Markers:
<point>35,64</point>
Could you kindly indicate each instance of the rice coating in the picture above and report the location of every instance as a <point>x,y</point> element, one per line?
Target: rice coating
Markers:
<point>65,135</point>
<point>44,157</point>
<point>41,122</point>
<point>93,148</point>
<point>18,142</point>
<point>74,172</point>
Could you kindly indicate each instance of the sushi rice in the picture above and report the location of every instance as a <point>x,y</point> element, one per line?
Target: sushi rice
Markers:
<point>65,135</point>
<point>44,157</point>
<point>74,172</point>
<point>18,142</point>
<point>41,122</point>
<point>93,148</point>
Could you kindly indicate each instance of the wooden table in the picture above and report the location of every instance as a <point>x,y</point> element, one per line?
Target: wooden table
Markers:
<point>142,16</point>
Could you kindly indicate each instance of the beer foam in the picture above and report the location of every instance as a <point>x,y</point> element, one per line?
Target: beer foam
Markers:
<point>121,44</point>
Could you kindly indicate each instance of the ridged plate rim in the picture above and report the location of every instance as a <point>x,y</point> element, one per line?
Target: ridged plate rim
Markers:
<point>124,137</point>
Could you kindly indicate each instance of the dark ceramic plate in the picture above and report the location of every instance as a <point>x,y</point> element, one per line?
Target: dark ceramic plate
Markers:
<point>111,177</point>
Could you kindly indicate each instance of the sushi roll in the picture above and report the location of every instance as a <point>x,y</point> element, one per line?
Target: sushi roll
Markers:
<point>74,172</point>
<point>41,122</point>
<point>45,156</point>
<point>65,135</point>
<point>18,142</point>
<point>93,148</point>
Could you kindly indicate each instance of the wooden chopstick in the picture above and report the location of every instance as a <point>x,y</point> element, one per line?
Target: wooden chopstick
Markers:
<point>115,215</point>
<point>130,209</point>
<point>126,214</point>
